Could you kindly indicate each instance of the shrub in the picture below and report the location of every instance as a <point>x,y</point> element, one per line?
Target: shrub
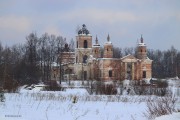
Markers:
<point>52,86</point>
<point>162,106</point>
<point>162,84</point>
<point>108,89</point>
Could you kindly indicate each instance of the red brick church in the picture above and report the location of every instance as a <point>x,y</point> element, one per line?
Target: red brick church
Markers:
<point>86,62</point>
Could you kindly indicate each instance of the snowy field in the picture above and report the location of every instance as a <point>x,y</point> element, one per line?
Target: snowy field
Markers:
<point>59,106</point>
<point>76,104</point>
<point>54,106</point>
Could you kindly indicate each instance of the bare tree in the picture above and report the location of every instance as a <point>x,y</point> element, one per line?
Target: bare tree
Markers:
<point>60,44</point>
<point>31,58</point>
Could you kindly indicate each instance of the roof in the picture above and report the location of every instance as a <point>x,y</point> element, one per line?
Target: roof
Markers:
<point>129,58</point>
<point>83,30</point>
<point>108,59</point>
<point>141,44</point>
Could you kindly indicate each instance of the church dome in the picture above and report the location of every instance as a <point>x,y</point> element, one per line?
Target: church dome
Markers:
<point>83,30</point>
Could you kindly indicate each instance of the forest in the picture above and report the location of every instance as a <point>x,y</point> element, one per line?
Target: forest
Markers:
<point>30,63</point>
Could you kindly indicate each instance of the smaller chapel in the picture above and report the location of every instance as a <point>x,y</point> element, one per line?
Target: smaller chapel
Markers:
<point>87,63</point>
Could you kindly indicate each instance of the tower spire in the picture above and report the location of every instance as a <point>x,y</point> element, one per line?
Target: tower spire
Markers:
<point>142,39</point>
<point>96,40</point>
<point>108,38</point>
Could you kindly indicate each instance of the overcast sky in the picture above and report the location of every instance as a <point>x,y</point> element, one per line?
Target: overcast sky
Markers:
<point>124,20</point>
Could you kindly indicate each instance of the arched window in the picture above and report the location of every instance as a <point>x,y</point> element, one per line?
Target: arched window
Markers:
<point>85,59</point>
<point>141,50</point>
<point>110,73</point>
<point>144,74</point>
<point>77,44</point>
<point>85,44</point>
<point>76,59</point>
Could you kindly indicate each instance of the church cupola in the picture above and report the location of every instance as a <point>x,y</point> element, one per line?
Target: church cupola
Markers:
<point>142,50</point>
<point>83,39</point>
<point>83,30</point>
<point>108,48</point>
<point>96,49</point>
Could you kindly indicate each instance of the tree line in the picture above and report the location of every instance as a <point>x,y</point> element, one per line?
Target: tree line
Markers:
<point>31,62</point>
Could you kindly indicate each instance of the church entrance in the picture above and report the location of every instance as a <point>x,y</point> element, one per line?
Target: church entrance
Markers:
<point>85,75</point>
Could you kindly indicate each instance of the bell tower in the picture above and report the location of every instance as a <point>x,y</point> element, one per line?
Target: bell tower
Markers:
<point>108,48</point>
<point>83,45</point>
<point>96,49</point>
<point>83,51</point>
<point>142,50</point>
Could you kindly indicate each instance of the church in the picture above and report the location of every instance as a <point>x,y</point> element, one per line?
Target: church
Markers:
<point>87,63</point>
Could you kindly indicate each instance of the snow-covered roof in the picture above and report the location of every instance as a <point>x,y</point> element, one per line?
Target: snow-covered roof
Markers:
<point>69,52</point>
<point>126,56</point>
<point>108,58</point>
<point>83,48</point>
<point>84,34</point>
<point>141,44</point>
<point>109,42</point>
<point>95,46</point>
<point>129,56</point>
<point>147,60</point>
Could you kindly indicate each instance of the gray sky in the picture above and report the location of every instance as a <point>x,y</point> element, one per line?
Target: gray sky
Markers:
<point>124,20</point>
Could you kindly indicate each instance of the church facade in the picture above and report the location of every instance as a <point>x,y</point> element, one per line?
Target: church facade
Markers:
<point>87,63</point>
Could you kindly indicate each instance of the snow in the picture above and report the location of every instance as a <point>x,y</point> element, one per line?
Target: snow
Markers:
<point>77,91</point>
<point>109,43</point>
<point>147,80</point>
<point>174,116</point>
<point>36,104</point>
<point>108,82</point>
<point>141,44</point>
<point>107,59</point>
<point>54,64</point>
<point>49,106</point>
<point>84,34</point>
<point>126,83</point>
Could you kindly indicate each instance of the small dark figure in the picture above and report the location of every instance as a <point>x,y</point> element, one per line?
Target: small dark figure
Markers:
<point>74,99</point>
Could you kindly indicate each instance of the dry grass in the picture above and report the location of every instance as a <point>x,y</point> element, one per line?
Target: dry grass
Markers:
<point>160,106</point>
